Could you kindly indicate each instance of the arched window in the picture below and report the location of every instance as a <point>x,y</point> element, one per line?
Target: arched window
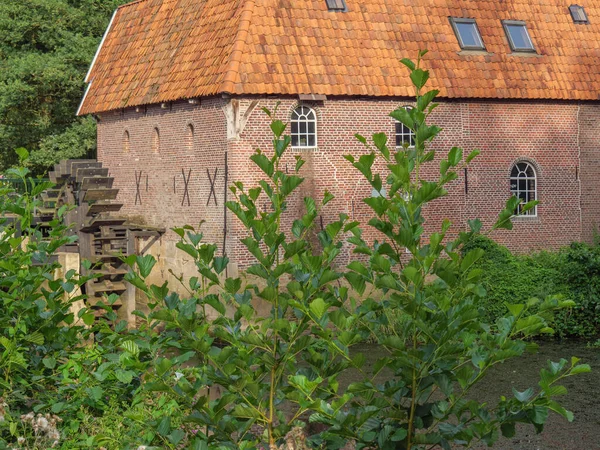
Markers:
<point>405,137</point>
<point>189,138</point>
<point>304,127</point>
<point>126,142</point>
<point>523,184</point>
<point>156,141</point>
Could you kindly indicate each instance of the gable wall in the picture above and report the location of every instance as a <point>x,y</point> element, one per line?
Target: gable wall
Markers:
<point>162,184</point>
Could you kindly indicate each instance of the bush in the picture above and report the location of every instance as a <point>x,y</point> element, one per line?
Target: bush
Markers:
<point>572,272</point>
<point>246,381</point>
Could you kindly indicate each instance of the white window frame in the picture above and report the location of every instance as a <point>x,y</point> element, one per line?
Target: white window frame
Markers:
<point>403,134</point>
<point>534,211</point>
<point>518,23</point>
<point>303,117</point>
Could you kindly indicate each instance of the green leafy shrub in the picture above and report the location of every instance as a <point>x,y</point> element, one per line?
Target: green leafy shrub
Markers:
<point>572,272</point>
<point>443,347</point>
<point>206,370</point>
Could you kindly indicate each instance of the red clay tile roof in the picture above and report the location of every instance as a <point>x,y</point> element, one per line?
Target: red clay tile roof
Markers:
<point>164,50</point>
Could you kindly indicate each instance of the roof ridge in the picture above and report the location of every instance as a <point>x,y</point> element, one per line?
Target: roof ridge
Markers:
<point>233,65</point>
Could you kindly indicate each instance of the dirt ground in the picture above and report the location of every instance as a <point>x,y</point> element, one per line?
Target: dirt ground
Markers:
<point>582,398</point>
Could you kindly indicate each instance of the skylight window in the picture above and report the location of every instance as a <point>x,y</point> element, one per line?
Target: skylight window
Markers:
<point>467,33</point>
<point>336,5</point>
<point>578,14</point>
<point>518,36</point>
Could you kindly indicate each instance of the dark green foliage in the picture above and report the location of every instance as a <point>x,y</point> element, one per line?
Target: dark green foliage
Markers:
<point>46,47</point>
<point>206,369</point>
<point>573,272</point>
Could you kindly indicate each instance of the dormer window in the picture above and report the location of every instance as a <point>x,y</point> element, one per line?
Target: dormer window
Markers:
<point>578,14</point>
<point>336,5</point>
<point>518,36</point>
<point>467,33</point>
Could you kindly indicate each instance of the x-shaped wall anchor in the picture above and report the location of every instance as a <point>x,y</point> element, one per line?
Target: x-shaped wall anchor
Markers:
<point>212,181</point>
<point>186,182</point>
<point>138,180</point>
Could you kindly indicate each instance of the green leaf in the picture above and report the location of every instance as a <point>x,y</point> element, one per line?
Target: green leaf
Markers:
<point>49,362</point>
<point>523,396</point>
<point>88,319</point>
<point>508,429</point>
<point>403,116</point>
<point>408,63</point>
<point>580,368</point>
<point>22,153</point>
<point>58,407</point>
<point>425,99</point>
<point>213,300</point>
<point>318,307</point>
<point>472,156</point>
<point>164,426</point>
<point>263,163</point>
<point>124,376</point>
<point>220,263</point>
<point>176,436</point>
<point>455,156</point>
<point>278,127</point>
<point>199,445</point>
<point>36,338</point>
<point>131,347</point>
<point>145,264</point>
<point>419,77</point>
<point>471,258</point>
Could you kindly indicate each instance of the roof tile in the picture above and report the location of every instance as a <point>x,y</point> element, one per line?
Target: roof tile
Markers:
<point>164,50</point>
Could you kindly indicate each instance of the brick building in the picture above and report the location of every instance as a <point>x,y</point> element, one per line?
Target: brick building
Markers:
<point>177,88</point>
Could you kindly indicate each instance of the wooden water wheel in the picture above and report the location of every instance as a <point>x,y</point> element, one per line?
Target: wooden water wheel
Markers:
<point>104,238</point>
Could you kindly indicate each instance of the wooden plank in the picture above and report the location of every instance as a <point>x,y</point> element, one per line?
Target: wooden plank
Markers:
<point>46,211</point>
<point>76,165</point>
<point>110,237</point>
<point>95,223</point>
<point>98,182</point>
<point>108,272</point>
<point>91,172</point>
<point>51,193</point>
<point>93,195</point>
<point>97,208</point>
<point>70,163</point>
<point>52,176</point>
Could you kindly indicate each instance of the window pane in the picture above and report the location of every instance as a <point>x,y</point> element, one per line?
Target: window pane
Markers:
<point>520,37</point>
<point>302,127</point>
<point>468,34</point>
<point>311,140</point>
<point>311,127</point>
<point>294,127</point>
<point>295,140</point>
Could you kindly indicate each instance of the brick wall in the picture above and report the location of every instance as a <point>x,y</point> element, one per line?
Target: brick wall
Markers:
<point>164,159</point>
<point>544,133</point>
<point>589,171</point>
